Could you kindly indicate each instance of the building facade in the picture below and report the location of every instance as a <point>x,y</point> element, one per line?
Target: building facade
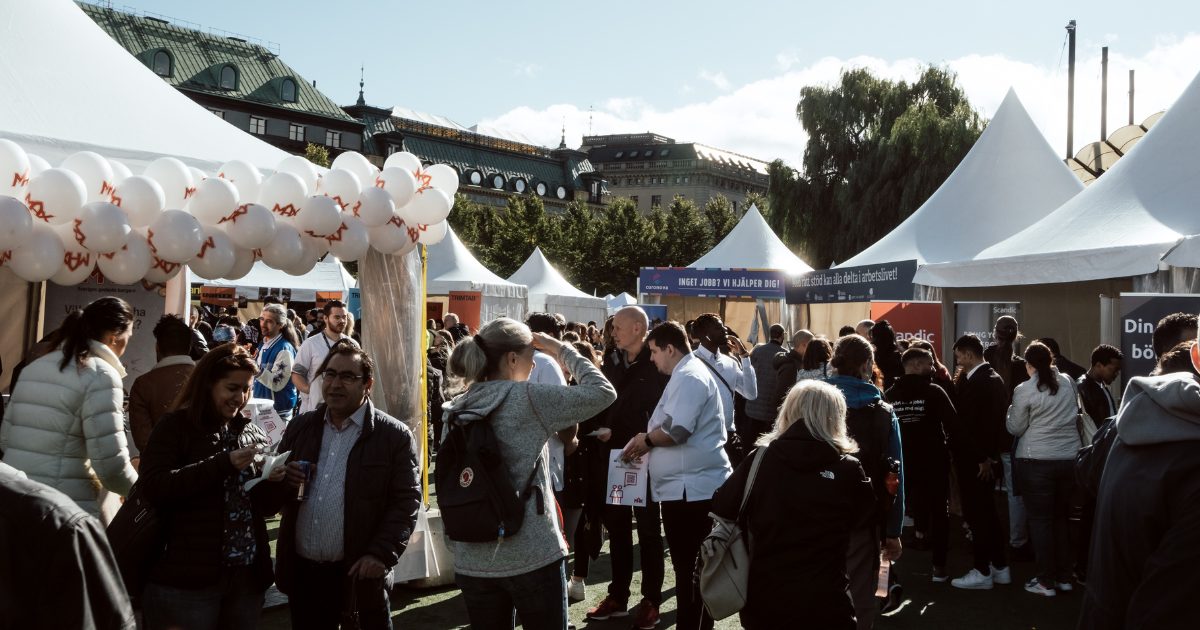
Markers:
<point>653,169</point>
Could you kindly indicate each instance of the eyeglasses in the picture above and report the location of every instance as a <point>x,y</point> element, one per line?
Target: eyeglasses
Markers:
<point>345,377</point>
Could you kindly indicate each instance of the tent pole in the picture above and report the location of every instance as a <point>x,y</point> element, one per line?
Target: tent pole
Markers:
<point>424,392</point>
<point>1071,91</point>
<point>1104,93</point>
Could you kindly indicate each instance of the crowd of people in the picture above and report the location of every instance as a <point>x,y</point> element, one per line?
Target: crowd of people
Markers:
<point>820,450</point>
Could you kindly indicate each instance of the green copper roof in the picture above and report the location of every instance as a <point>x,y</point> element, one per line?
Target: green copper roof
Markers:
<point>198,58</point>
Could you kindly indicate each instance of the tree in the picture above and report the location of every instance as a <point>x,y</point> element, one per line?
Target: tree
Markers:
<point>718,214</point>
<point>686,238</point>
<point>317,154</point>
<point>758,200</point>
<point>523,227</point>
<point>624,248</point>
<point>577,248</point>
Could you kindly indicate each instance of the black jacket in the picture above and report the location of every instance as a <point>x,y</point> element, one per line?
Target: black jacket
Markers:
<point>927,418</point>
<point>765,406</point>
<point>183,472</point>
<point>458,332</point>
<point>56,568</point>
<point>786,365</point>
<point>982,404</point>
<point>1070,368</point>
<point>892,367</point>
<point>639,385</point>
<point>1095,401</point>
<point>1017,375</point>
<point>382,494</point>
<point>1090,461</point>
<point>806,499</point>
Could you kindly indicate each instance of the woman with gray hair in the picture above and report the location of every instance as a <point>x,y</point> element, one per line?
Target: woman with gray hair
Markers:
<point>523,572</point>
<point>808,495</point>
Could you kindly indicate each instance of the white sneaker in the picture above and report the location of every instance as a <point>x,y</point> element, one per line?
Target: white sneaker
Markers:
<point>973,580</point>
<point>576,590</point>
<point>1065,586</point>
<point>1001,576</point>
<point>1036,588</point>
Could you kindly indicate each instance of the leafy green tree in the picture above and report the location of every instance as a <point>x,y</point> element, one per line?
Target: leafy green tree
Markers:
<point>686,235</point>
<point>758,200</point>
<point>718,214</point>
<point>317,154</point>
<point>656,221</point>
<point>577,248</point>
<point>625,246</point>
<point>523,227</point>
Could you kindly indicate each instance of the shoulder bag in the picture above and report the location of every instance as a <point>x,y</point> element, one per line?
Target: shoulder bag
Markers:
<point>725,559</point>
<point>1083,422</point>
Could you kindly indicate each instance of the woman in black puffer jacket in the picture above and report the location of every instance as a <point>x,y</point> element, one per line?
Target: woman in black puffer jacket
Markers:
<point>215,566</point>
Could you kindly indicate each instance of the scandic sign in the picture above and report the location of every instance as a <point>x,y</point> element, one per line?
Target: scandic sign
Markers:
<point>685,281</point>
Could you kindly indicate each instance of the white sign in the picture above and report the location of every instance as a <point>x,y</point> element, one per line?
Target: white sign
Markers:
<point>261,411</point>
<point>627,481</point>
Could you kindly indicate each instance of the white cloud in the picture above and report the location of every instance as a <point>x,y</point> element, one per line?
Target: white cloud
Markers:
<point>527,69</point>
<point>785,60</point>
<point>759,119</point>
<point>717,79</point>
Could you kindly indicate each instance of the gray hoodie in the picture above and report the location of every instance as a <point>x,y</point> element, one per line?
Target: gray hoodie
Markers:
<point>1160,409</point>
<point>524,416</point>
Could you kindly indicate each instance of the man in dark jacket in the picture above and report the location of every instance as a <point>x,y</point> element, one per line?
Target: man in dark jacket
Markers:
<point>456,329</point>
<point>982,403</point>
<point>1099,405</point>
<point>763,409</point>
<point>1144,555</point>
<point>639,385</point>
<point>926,418</point>
<point>363,497</point>
<point>1064,365</point>
<point>1011,369</point>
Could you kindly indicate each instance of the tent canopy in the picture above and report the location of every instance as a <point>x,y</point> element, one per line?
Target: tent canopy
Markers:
<point>550,292</point>
<point>751,244</point>
<point>72,88</point>
<point>1121,226</point>
<point>451,267</point>
<point>327,276</point>
<point>1010,179</point>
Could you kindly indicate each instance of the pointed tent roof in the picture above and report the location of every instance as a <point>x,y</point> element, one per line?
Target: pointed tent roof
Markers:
<point>624,299</point>
<point>751,244</point>
<point>1121,226</point>
<point>543,279</point>
<point>451,267</point>
<point>52,54</point>
<point>326,275</point>
<point>1008,180</point>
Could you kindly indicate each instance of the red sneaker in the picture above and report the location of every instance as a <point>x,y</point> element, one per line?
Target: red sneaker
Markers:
<point>608,608</point>
<point>647,616</point>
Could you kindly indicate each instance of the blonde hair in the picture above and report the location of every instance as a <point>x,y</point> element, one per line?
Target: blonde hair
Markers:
<point>802,336</point>
<point>471,362</point>
<point>823,410</point>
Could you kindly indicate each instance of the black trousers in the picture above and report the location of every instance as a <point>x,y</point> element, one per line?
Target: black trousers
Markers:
<point>979,509</point>
<point>619,521</point>
<point>926,487</point>
<point>320,593</point>
<point>687,524</point>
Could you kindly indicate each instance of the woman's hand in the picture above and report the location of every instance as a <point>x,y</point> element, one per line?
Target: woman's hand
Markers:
<point>278,474</point>
<point>547,344</point>
<point>243,457</point>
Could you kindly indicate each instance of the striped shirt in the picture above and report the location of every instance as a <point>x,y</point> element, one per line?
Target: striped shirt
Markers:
<point>319,525</point>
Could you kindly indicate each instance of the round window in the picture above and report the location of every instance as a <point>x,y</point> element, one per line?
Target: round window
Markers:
<point>541,188</point>
<point>519,185</point>
<point>476,178</point>
<point>498,181</point>
<point>561,192</point>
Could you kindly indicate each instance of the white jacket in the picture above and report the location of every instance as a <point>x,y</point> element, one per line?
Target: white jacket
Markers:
<point>1045,422</point>
<point>66,428</point>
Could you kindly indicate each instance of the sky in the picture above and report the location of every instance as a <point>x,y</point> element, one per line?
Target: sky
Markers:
<point>724,74</point>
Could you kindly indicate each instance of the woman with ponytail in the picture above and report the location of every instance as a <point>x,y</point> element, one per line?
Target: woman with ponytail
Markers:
<point>66,427</point>
<point>1043,414</point>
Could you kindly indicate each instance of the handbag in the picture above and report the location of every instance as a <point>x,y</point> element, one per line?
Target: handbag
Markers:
<point>1083,422</point>
<point>135,534</point>
<point>725,559</point>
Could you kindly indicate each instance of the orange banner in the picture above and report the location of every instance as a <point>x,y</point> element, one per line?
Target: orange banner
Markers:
<point>325,296</point>
<point>467,305</point>
<point>219,296</point>
<point>913,320</point>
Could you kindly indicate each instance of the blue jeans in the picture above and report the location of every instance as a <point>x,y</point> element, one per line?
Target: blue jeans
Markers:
<point>1046,485</point>
<point>230,604</point>
<point>539,597</point>
<point>1018,527</point>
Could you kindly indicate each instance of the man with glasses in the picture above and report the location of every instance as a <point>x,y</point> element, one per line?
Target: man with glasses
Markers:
<point>362,500</point>
<point>313,351</point>
<point>276,357</point>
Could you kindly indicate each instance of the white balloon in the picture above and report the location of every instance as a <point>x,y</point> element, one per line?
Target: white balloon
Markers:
<point>351,241</point>
<point>96,173</point>
<point>319,216</point>
<point>250,226</point>
<point>36,165</point>
<point>244,176</point>
<point>76,267</point>
<point>430,206</point>
<point>175,236</point>
<point>285,248</point>
<point>55,196</point>
<point>342,185</point>
<point>443,178</point>
<point>299,165</point>
<point>120,172</point>
<point>404,160</point>
<point>14,170</point>
<point>397,235</point>
<point>357,164</point>
<point>282,194</point>
<point>128,264</point>
<point>374,207</point>
<point>310,252</point>
<point>15,223</point>
<point>162,271</point>
<point>399,183</point>
<point>243,262</point>
<point>215,257</point>
<point>102,227</point>
<point>40,257</point>
<point>431,234</point>
<point>197,175</point>
<point>141,198</point>
<point>214,199</point>
<point>175,178</point>
<point>322,245</point>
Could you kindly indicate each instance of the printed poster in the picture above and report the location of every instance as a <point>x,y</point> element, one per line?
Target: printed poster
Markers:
<point>913,320</point>
<point>1140,314</point>
<point>627,481</point>
<point>468,306</point>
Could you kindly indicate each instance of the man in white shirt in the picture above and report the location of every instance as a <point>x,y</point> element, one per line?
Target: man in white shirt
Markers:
<point>732,375</point>
<point>687,463</point>
<point>314,350</point>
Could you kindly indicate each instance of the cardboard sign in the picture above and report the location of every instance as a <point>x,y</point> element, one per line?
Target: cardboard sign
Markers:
<point>467,305</point>
<point>261,412</point>
<point>913,320</point>
<point>627,481</point>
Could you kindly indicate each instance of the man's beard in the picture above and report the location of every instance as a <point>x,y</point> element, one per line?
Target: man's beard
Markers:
<point>335,328</point>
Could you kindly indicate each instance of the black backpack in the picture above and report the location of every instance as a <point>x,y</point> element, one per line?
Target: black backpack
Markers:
<point>477,501</point>
<point>871,426</point>
<point>135,534</point>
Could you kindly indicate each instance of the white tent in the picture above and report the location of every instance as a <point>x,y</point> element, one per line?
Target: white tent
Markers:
<point>1010,179</point>
<point>1121,226</point>
<point>70,87</point>
<point>452,268</point>
<point>616,302</point>
<point>751,244</point>
<point>550,292</point>
<point>328,276</point>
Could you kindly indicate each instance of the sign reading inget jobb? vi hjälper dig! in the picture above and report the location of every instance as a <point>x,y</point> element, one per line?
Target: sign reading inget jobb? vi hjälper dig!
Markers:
<point>755,283</point>
<point>891,282</point>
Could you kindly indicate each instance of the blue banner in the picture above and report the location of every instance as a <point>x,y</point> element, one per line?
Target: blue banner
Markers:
<point>747,283</point>
<point>355,304</point>
<point>888,282</point>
